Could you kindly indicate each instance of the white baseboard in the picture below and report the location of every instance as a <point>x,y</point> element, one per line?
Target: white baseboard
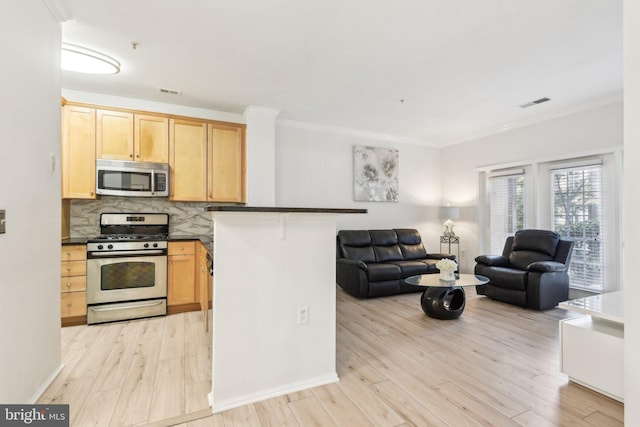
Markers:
<point>246,399</point>
<point>45,384</point>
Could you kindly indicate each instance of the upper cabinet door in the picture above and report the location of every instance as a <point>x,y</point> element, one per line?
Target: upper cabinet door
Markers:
<point>188,160</point>
<point>114,137</point>
<point>78,153</point>
<point>151,141</point>
<point>226,166</point>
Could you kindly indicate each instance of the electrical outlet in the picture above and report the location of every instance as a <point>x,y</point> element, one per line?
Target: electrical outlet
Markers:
<point>303,315</point>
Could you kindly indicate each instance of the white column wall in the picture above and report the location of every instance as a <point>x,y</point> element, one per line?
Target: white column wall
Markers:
<point>261,155</point>
<point>631,211</point>
<point>30,352</point>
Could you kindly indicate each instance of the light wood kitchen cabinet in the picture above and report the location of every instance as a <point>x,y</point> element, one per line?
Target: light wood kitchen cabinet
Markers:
<point>151,138</point>
<point>226,163</point>
<point>78,152</point>
<point>188,160</point>
<point>181,286</point>
<point>207,158</point>
<point>73,285</point>
<point>133,137</point>
<point>114,135</point>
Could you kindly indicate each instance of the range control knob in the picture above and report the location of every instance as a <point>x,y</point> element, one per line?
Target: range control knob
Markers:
<point>155,245</point>
<point>100,247</point>
<point>146,245</point>
<point>109,246</point>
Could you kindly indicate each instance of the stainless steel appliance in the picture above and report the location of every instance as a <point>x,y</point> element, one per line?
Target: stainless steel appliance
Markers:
<point>138,179</point>
<point>127,267</point>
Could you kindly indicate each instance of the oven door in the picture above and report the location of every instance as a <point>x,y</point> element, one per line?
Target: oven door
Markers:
<point>128,278</point>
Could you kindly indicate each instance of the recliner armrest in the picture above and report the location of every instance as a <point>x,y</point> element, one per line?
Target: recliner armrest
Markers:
<point>493,260</point>
<point>440,256</point>
<point>546,266</point>
<point>354,262</point>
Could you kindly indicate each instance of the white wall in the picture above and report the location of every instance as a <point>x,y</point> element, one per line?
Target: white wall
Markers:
<point>594,129</point>
<point>30,194</point>
<point>259,350</point>
<point>631,211</point>
<point>314,168</point>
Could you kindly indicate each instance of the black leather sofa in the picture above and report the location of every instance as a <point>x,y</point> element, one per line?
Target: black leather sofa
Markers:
<point>531,272</point>
<point>374,263</point>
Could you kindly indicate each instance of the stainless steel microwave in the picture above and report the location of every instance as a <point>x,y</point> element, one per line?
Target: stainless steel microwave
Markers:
<point>132,179</point>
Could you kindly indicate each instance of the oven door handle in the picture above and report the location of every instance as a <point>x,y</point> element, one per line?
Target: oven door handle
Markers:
<point>150,304</point>
<point>122,253</point>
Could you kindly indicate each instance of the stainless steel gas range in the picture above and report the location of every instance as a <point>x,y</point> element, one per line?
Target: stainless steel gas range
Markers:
<point>127,267</point>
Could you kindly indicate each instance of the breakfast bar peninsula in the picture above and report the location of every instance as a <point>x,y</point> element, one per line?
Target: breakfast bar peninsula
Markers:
<point>274,301</point>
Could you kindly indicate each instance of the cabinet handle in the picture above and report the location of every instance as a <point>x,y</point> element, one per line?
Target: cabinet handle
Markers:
<point>68,268</point>
<point>91,193</point>
<point>68,252</point>
<point>68,305</point>
<point>69,285</point>
<point>138,155</point>
<point>131,156</point>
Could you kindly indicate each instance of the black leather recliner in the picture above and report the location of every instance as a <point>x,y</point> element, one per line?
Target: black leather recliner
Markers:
<point>532,271</point>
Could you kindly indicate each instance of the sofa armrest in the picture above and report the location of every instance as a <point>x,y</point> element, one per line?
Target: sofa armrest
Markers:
<point>493,260</point>
<point>351,275</point>
<point>352,262</point>
<point>440,256</point>
<point>546,266</point>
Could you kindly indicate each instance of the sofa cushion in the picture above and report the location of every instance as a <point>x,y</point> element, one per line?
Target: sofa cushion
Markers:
<point>385,245</point>
<point>410,243</point>
<point>411,268</point>
<point>356,244</point>
<point>383,271</point>
<point>507,278</point>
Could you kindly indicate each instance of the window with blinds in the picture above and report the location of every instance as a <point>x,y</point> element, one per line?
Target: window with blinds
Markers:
<point>506,207</point>
<point>577,213</point>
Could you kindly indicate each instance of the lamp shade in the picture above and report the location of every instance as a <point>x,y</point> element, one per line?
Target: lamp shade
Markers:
<point>449,212</point>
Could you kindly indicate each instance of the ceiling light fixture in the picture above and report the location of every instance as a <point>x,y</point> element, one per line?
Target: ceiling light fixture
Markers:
<point>83,60</point>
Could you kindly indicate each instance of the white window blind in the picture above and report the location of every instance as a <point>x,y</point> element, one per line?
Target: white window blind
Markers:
<point>577,213</point>
<point>506,206</point>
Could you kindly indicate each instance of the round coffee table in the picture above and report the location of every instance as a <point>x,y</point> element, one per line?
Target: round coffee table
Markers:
<point>444,299</point>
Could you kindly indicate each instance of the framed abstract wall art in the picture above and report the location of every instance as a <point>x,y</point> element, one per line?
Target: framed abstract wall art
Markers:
<point>375,174</point>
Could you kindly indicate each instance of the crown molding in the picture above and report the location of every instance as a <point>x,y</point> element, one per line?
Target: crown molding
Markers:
<point>59,9</point>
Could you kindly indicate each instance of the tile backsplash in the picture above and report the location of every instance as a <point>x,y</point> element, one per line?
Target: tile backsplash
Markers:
<point>184,218</point>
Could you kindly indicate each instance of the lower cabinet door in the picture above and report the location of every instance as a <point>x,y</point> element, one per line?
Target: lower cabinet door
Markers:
<point>73,304</point>
<point>182,279</point>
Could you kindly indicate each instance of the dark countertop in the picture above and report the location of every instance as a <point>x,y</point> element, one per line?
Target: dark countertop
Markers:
<point>207,240</point>
<point>283,210</point>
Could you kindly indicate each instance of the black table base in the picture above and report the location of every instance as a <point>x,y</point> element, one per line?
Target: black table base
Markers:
<point>443,303</point>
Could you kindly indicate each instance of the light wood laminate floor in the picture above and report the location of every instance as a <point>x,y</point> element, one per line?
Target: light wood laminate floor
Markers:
<point>497,365</point>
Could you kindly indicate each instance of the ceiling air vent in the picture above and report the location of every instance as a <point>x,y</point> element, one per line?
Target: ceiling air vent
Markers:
<point>536,102</point>
<point>169,91</point>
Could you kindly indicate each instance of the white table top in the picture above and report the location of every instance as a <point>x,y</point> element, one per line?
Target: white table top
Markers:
<point>609,306</point>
